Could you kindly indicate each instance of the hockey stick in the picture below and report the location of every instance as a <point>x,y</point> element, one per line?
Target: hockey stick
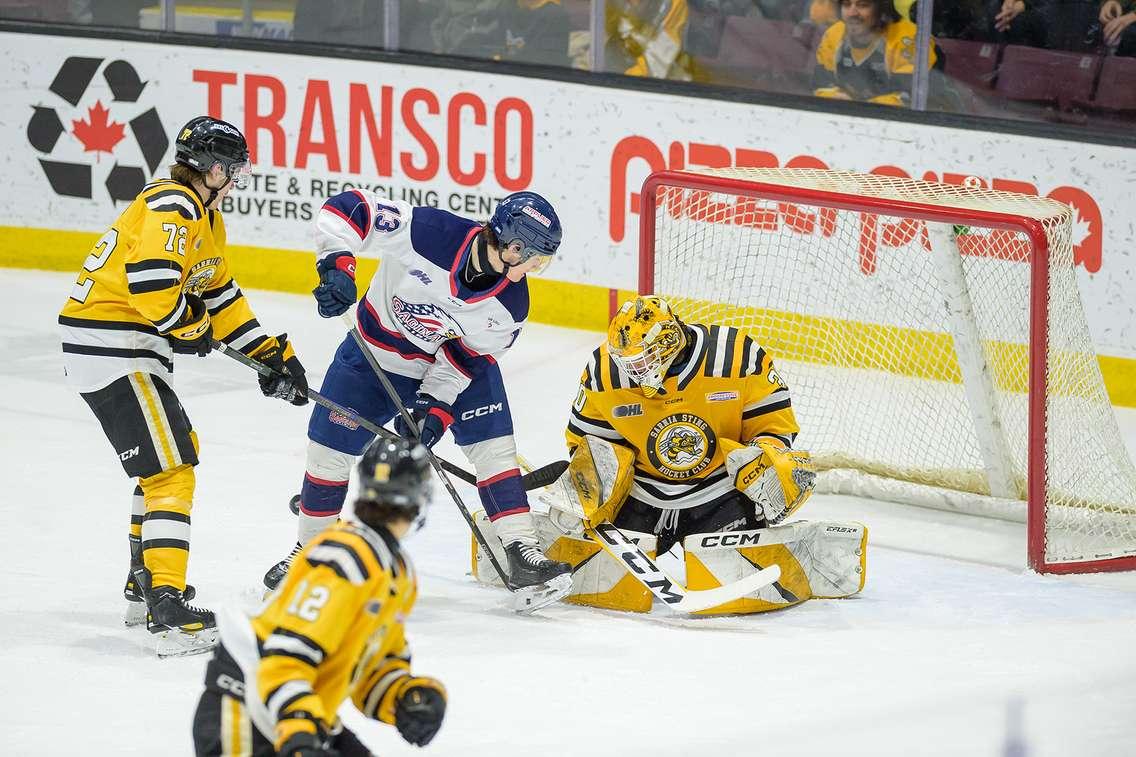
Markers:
<point>670,592</point>
<point>392,393</point>
<point>667,590</point>
<point>535,480</point>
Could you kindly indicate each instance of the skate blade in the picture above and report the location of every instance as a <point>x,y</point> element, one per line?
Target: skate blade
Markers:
<point>135,614</point>
<point>529,599</point>
<point>177,643</point>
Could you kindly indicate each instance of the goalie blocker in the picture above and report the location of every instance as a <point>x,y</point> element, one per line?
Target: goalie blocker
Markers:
<point>816,559</point>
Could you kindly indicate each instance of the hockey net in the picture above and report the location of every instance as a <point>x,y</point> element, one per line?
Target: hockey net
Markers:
<point>932,336</point>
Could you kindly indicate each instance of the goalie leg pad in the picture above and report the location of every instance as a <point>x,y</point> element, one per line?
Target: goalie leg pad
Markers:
<point>598,580</point>
<point>818,559</point>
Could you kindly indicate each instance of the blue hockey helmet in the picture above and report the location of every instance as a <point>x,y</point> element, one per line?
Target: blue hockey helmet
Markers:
<point>527,222</point>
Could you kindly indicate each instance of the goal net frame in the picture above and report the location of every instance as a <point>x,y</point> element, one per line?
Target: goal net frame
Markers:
<point>940,207</point>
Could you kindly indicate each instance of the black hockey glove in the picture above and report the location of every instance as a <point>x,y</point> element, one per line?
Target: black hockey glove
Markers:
<point>306,745</point>
<point>431,415</point>
<point>336,291</point>
<point>193,333</point>
<point>419,710</point>
<point>287,382</point>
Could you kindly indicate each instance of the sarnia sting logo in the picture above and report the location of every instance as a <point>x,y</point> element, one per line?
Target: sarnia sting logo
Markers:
<point>681,445</point>
<point>94,129</point>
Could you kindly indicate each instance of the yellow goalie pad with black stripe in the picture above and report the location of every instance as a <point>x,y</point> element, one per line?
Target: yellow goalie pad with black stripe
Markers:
<point>598,580</point>
<point>818,560</point>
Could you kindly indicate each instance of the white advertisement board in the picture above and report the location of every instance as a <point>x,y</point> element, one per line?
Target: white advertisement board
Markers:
<point>86,121</point>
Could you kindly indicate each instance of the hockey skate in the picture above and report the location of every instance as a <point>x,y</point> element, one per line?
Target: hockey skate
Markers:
<point>277,572</point>
<point>537,580</point>
<point>137,580</point>
<point>181,628</point>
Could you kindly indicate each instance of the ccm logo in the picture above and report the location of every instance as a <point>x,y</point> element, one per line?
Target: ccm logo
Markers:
<point>729,540</point>
<point>484,410</point>
<point>129,454</point>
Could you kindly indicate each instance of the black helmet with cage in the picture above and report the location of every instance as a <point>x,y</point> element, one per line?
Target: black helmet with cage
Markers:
<point>394,482</point>
<point>205,142</point>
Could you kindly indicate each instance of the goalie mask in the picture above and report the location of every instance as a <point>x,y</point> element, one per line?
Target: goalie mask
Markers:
<point>644,339</point>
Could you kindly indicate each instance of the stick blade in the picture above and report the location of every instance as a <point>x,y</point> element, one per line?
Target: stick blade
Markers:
<point>704,599</point>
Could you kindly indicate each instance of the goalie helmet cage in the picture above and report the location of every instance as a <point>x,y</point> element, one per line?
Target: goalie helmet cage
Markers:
<point>932,336</point>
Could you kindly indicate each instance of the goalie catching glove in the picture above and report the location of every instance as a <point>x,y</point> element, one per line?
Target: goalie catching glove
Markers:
<point>287,381</point>
<point>778,480</point>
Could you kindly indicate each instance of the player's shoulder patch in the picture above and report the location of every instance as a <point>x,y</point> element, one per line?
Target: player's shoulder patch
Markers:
<point>173,197</point>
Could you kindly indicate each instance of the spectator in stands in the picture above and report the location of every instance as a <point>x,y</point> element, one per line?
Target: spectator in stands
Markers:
<point>644,38</point>
<point>868,55</point>
<point>1117,30</point>
<point>1019,22</point>
<point>343,22</point>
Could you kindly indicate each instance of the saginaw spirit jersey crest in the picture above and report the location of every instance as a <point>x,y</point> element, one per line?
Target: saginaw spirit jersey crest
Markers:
<point>425,321</point>
<point>681,445</point>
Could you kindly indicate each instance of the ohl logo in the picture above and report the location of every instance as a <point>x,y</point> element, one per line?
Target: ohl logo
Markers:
<point>95,130</point>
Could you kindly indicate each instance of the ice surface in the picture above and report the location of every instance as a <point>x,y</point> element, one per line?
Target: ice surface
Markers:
<point>952,649</point>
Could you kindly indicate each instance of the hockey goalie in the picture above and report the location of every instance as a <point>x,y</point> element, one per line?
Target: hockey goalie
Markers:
<point>682,434</point>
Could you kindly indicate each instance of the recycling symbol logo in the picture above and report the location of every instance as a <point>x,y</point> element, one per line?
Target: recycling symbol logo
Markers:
<point>68,162</point>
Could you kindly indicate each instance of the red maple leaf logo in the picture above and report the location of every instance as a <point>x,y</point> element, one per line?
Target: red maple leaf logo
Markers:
<point>98,133</point>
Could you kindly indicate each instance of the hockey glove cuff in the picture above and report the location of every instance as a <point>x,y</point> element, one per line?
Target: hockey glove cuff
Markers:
<point>288,381</point>
<point>431,415</point>
<point>419,709</point>
<point>336,292</point>
<point>193,333</point>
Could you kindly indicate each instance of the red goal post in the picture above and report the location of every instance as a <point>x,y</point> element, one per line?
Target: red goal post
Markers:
<point>932,335</point>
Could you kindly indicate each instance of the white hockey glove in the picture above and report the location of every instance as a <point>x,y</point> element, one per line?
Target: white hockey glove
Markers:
<point>778,480</point>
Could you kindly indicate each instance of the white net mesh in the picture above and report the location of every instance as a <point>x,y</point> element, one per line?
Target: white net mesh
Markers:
<point>851,304</point>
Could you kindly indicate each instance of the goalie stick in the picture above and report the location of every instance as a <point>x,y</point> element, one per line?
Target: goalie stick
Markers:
<point>535,479</point>
<point>667,590</point>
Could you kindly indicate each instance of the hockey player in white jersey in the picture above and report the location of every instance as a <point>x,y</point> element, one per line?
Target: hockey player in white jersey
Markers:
<point>449,298</point>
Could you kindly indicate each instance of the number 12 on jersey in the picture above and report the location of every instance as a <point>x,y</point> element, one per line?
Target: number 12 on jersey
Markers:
<point>305,604</point>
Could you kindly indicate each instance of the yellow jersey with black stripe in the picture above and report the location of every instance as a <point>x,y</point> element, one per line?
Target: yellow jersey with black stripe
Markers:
<point>132,288</point>
<point>879,73</point>
<point>726,387</point>
<point>333,629</point>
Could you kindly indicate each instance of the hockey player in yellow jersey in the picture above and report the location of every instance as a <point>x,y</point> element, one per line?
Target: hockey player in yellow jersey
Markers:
<point>332,630</point>
<point>683,434</point>
<point>707,417</point>
<point>157,283</point>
